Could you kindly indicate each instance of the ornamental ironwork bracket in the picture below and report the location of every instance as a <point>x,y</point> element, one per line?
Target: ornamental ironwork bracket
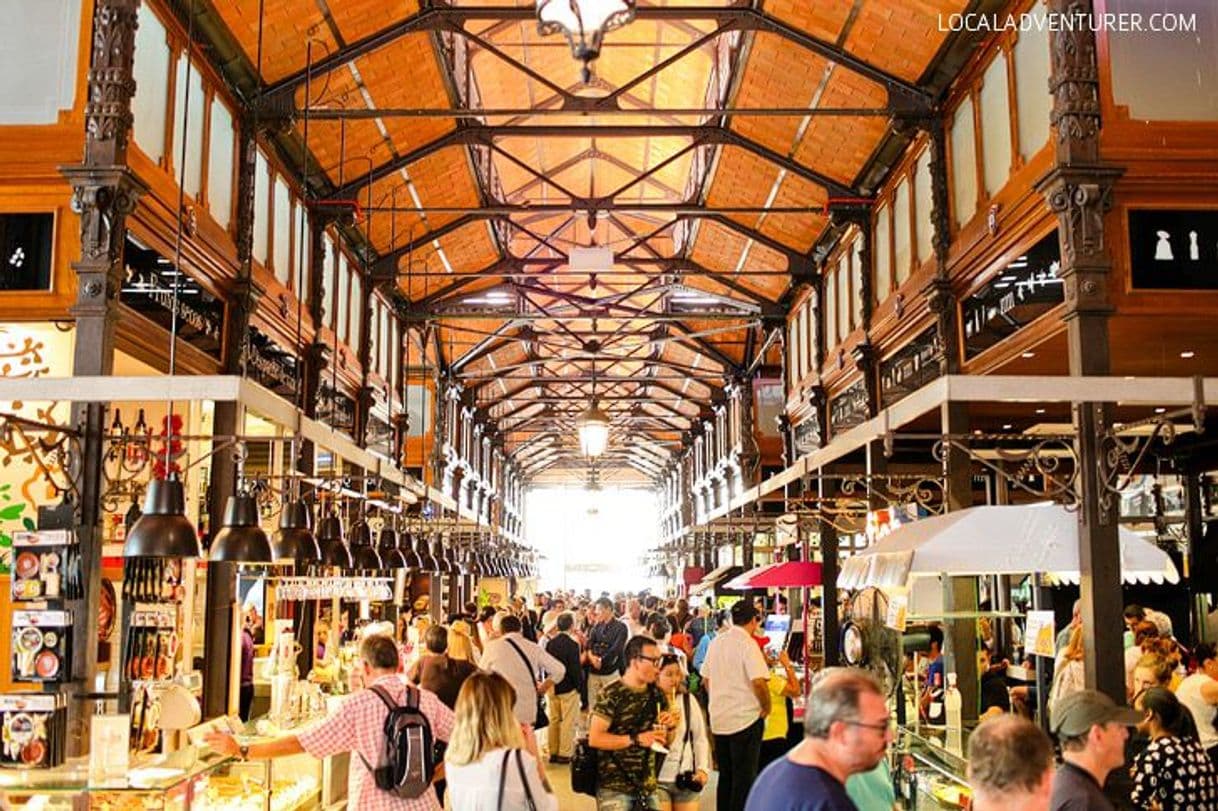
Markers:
<point>1120,457</point>
<point>1053,458</point>
<point>926,492</point>
<point>51,449</point>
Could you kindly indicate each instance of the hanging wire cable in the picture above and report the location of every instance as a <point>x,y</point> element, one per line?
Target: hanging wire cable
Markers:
<point>177,241</point>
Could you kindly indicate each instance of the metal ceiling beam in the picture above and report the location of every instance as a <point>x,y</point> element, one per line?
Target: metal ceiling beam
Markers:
<point>737,18</point>
<point>487,345</point>
<point>366,113</point>
<point>701,135</point>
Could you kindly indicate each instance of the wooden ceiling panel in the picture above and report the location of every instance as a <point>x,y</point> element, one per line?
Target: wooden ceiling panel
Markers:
<point>900,36</point>
<point>333,144</point>
<point>381,72</point>
<point>796,230</point>
<point>470,248</point>
<point>357,19</point>
<point>718,247</point>
<point>441,180</point>
<point>287,26</point>
<point>742,179</point>
<point>777,73</point>
<point>838,146</point>
<point>822,20</point>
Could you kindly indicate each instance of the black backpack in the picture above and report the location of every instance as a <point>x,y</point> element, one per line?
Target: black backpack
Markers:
<point>409,760</point>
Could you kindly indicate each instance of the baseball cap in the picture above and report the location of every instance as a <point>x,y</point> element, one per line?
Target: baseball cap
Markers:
<point>1078,712</point>
<point>743,611</point>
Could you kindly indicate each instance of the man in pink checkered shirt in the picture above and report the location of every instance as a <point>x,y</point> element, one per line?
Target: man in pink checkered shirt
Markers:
<point>358,727</point>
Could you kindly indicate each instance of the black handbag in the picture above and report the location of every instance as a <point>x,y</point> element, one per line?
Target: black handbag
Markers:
<point>584,768</point>
<point>542,720</point>
<point>687,780</point>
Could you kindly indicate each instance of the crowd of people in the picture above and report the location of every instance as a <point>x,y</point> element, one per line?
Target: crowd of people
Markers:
<point>665,699</point>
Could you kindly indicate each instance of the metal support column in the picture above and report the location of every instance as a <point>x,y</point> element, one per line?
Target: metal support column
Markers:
<point>829,571</point>
<point>960,593</point>
<point>104,192</point>
<point>1078,189</point>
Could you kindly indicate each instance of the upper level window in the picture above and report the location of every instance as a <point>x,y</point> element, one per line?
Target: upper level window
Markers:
<point>151,89</point>
<point>964,163</point>
<point>882,254</point>
<point>996,125</point>
<point>262,209</point>
<point>1033,102</point>
<point>220,145</point>
<point>193,121</point>
<point>281,249</point>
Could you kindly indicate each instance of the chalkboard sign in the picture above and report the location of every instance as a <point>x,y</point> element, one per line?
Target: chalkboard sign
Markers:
<point>1174,249</point>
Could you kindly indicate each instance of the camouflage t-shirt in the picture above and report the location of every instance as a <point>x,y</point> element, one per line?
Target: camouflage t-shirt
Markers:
<point>629,712</point>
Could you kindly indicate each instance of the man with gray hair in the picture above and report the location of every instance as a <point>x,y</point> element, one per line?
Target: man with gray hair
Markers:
<point>846,731</point>
<point>1010,765</point>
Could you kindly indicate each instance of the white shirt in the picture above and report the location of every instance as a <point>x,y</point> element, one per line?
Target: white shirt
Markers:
<point>502,659</point>
<point>475,786</point>
<point>682,756</point>
<point>1189,693</point>
<point>733,661</point>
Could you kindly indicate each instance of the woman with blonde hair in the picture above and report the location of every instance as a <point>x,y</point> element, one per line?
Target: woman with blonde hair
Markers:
<point>460,645</point>
<point>1068,677</point>
<point>491,765</point>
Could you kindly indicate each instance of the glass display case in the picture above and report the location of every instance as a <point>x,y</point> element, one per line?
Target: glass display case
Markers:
<point>190,780</point>
<point>157,784</point>
<point>927,774</point>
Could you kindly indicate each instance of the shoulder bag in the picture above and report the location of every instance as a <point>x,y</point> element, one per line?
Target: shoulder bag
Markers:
<point>542,720</point>
<point>530,804</point>
<point>687,780</point>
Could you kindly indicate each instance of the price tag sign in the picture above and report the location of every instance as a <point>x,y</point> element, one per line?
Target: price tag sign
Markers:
<point>898,610</point>
<point>1040,634</point>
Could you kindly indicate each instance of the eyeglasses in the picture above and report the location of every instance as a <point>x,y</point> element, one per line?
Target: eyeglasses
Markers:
<point>655,660</point>
<point>887,726</point>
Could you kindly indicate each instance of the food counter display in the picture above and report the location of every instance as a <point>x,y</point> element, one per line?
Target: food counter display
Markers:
<point>928,775</point>
<point>188,780</point>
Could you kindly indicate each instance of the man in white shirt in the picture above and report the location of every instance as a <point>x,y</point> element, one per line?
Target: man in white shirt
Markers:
<point>737,683</point>
<point>522,663</point>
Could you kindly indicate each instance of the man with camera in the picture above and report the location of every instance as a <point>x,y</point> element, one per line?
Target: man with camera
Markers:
<point>606,642</point>
<point>631,724</point>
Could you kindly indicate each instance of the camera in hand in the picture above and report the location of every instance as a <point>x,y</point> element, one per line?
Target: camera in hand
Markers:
<point>688,781</point>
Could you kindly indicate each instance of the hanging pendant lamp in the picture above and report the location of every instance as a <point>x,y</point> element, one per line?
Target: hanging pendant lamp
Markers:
<point>163,531</point>
<point>427,561</point>
<point>584,23</point>
<point>334,550</point>
<point>387,544</point>
<point>241,539</point>
<point>411,552</point>
<point>294,541</point>
<point>363,555</point>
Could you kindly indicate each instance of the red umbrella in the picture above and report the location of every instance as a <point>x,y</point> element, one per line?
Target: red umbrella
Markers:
<point>792,574</point>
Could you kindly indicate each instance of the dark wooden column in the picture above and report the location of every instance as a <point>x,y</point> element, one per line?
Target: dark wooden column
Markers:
<point>825,489</point>
<point>1078,189</point>
<point>104,192</point>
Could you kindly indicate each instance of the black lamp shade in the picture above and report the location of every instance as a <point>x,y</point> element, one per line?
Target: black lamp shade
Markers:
<point>387,546</point>
<point>411,553</point>
<point>365,558</point>
<point>427,561</point>
<point>163,531</point>
<point>240,539</point>
<point>334,551</point>
<point>359,535</point>
<point>443,565</point>
<point>294,540</point>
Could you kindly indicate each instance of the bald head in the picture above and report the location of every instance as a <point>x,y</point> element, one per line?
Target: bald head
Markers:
<point>1010,765</point>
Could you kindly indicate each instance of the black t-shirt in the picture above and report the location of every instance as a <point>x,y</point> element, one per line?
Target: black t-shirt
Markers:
<point>1076,790</point>
<point>442,676</point>
<point>788,786</point>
